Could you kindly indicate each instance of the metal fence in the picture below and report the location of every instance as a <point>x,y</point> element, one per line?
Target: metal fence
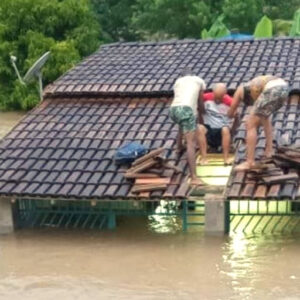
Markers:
<point>103,214</point>
<point>263,216</point>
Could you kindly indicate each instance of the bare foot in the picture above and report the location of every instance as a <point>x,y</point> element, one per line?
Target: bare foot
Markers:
<point>203,161</point>
<point>244,166</point>
<point>228,161</point>
<point>268,154</point>
<point>196,181</point>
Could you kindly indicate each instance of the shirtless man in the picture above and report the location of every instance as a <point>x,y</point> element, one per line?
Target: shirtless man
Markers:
<point>188,90</point>
<point>267,94</point>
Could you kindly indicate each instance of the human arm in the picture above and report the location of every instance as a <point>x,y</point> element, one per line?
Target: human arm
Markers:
<point>201,108</point>
<point>238,96</point>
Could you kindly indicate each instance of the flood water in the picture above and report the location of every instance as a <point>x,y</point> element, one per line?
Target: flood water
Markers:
<point>139,260</point>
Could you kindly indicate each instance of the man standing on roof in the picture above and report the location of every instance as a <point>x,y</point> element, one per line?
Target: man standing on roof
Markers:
<point>216,132</point>
<point>267,94</point>
<point>188,90</point>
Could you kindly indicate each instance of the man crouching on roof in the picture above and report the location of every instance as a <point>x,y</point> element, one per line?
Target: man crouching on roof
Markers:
<point>216,132</point>
<point>188,91</point>
<point>267,94</point>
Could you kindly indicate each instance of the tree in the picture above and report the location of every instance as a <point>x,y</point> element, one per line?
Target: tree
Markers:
<point>115,17</point>
<point>172,18</point>
<point>28,28</point>
<point>242,14</point>
<point>279,9</point>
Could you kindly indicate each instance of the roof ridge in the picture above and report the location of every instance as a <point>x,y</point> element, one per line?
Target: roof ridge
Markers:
<point>191,40</point>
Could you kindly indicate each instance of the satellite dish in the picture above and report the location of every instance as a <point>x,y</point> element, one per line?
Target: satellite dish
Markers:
<point>34,72</point>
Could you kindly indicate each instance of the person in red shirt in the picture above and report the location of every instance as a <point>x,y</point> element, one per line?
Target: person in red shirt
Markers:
<point>215,131</point>
<point>219,94</point>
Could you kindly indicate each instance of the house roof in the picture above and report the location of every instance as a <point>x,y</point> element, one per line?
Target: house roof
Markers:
<point>152,68</point>
<point>286,132</point>
<point>65,147</point>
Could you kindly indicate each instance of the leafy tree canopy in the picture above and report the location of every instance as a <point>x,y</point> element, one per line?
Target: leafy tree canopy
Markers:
<point>115,17</point>
<point>28,28</point>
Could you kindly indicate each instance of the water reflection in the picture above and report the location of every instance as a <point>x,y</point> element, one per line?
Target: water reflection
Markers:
<point>133,262</point>
<point>161,222</point>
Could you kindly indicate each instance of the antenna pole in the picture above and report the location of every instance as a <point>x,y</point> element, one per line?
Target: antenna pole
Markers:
<point>17,72</point>
<point>40,85</point>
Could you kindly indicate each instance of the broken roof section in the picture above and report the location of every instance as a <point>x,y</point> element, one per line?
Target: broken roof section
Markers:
<point>152,68</point>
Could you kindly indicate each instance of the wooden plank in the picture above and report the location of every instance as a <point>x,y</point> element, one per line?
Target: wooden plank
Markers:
<point>156,171</point>
<point>239,177</point>
<point>288,159</point>
<point>260,166</point>
<point>274,191</point>
<point>176,178</point>
<point>170,191</point>
<point>173,167</point>
<point>287,191</point>
<point>152,180</point>
<point>234,191</point>
<point>260,192</point>
<point>248,190</point>
<point>292,154</point>
<point>148,188</point>
<point>143,166</point>
<point>284,149</point>
<point>280,178</point>
<point>168,173</point>
<point>144,195</point>
<point>151,154</point>
<point>183,188</point>
<point>140,175</point>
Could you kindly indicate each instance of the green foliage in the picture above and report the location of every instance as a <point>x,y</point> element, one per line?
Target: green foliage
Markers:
<point>279,9</point>
<point>70,29</point>
<point>114,17</point>
<point>242,14</point>
<point>295,30</point>
<point>175,18</point>
<point>264,28</point>
<point>217,30</point>
<point>282,27</point>
<point>28,28</point>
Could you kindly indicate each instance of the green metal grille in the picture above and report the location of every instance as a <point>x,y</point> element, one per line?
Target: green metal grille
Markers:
<point>103,214</point>
<point>263,216</point>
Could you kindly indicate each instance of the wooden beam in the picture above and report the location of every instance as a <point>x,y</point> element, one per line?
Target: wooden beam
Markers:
<point>152,181</point>
<point>280,178</point>
<point>151,154</point>
<point>142,166</point>
<point>148,188</point>
<point>171,166</point>
<point>129,175</point>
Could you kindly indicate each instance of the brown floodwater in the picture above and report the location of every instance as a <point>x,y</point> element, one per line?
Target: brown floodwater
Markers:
<point>145,259</point>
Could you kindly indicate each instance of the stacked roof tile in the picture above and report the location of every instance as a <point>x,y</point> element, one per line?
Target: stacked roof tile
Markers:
<point>152,68</point>
<point>286,129</point>
<point>65,148</point>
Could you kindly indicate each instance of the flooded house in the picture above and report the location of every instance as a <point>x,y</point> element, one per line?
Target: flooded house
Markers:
<point>57,164</point>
